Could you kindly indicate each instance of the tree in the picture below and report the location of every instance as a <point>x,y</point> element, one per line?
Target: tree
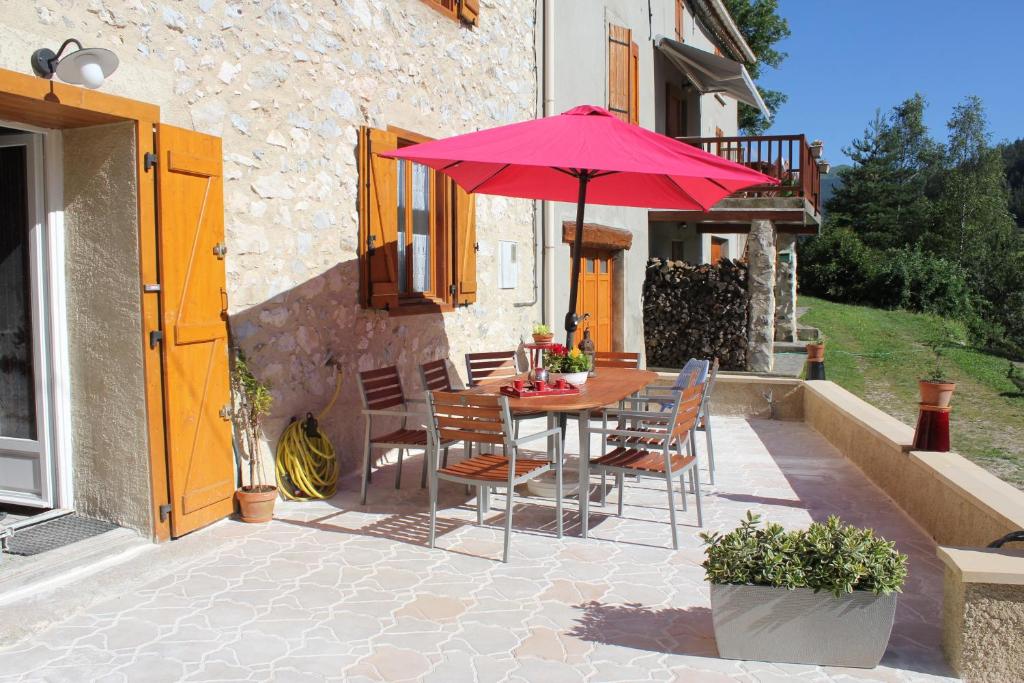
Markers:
<point>1013,160</point>
<point>762,28</point>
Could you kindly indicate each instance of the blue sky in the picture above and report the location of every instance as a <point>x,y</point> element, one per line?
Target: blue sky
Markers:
<point>847,59</point>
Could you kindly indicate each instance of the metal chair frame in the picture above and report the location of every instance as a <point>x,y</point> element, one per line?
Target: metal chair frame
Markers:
<point>479,419</point>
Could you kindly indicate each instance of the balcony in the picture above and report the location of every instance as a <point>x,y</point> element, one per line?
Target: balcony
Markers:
<point>794,204</point>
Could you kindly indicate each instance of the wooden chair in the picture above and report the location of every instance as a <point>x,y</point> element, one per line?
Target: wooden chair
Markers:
<point>382,396</point>
<point>434,376</point>
<point>493,366</point>
<point>617,359</point>
<point>487,420</point>
<point>662,447</point>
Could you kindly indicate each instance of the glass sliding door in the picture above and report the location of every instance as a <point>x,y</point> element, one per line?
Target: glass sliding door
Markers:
<point>26,467</point>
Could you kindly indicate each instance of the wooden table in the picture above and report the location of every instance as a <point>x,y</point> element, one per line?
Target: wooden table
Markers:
<point>607,387</point>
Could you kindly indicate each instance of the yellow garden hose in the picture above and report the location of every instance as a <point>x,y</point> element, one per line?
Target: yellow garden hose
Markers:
<point>307,468</point>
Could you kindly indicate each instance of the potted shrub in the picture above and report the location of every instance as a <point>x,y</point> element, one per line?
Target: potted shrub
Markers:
<point>825,595</point>
<point>935,388</point>
<point>542,334</point>
<point>816,351</point>
<point>251,403</point>
<point>572,366</point>
<point>817,147</point>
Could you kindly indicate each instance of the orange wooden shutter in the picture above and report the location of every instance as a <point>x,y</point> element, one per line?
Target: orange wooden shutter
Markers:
<point>469,11</point>
<point>465,246</point>
<point>190,213</point>
<point>619,67</point>
<point>379,239</point>
<point>634,83</point>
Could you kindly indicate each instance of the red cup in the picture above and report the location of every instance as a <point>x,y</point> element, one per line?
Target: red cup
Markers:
<point>518,384</point>
<point>540,385</point>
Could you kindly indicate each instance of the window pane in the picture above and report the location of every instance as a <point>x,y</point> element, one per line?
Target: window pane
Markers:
<point>17,390</point>
<point>590,265</point>
<point>402,284</point>
<point>604,265</point>
<point>420,228</point>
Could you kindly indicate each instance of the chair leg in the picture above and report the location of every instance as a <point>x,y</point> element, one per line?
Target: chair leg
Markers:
<point>487,499</point>
<point>433,509</point>
<point>558,488</point>
<point>508,523</point>
<point>711,448</point>
<point>672,510</point>
<point>398,474</point>
<point>696,486</point>
<point>366,466</point>
<point>423,472</point>
<point>480,505</point>
<point>604,485</point>
<point>682,487</point>
<point>620,480</point>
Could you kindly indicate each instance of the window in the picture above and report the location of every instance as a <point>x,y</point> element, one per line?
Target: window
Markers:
<point>467,11</point>
<point>675,111</point>
<point>417,246</point>
<point>623,74</point>
<point>680,13</point>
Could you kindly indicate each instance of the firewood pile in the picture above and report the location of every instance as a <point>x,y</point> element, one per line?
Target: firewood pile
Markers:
<point>695,312</point>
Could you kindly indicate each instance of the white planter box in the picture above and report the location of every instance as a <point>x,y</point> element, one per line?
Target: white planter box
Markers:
<point>800,626</point>
<point>577,379</point>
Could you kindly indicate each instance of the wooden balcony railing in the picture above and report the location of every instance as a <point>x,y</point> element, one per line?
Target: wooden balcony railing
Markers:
<point>786,157</point>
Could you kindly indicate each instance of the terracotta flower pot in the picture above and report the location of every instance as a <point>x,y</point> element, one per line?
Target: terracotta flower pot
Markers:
<point>257,506</point>
<point>936,393</point>
<point>816,352</point>
<point>543,338</point>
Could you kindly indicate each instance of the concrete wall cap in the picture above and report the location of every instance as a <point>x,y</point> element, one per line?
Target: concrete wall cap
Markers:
<point>985,565</point>
<point>878,421</point>
<point>985,490</point>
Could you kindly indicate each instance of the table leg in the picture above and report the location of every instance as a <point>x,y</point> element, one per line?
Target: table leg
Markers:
<point>584,488</point>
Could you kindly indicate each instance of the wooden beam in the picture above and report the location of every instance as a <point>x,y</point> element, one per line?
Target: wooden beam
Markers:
<point>744,228</point>
<point>727,215</point>
<point>597,236</point>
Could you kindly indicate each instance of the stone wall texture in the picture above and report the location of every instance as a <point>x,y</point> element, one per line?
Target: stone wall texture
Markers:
<point>982,627</point>
<point>761,286</point>
<point>287,85</point>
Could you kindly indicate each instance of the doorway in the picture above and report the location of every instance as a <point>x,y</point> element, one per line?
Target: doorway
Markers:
<point>595,296</point>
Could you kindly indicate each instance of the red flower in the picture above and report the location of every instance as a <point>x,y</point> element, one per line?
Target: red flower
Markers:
<point>559,349</point>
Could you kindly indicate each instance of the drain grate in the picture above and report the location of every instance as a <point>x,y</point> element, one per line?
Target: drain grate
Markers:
<point>55,533</point>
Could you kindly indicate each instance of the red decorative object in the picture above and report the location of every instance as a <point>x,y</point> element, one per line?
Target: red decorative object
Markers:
<point>932,433</point>
<point>530,391</point>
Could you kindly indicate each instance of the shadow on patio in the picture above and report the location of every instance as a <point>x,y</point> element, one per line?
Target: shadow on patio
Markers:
<point>671,630</point>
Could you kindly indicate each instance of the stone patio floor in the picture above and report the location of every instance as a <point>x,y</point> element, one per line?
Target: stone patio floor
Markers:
<point>333,591</point>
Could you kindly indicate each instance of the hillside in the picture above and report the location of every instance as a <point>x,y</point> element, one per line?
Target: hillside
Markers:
<point>879,355</point>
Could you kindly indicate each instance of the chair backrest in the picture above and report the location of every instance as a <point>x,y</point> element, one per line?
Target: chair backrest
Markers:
<point>381,389</point>
<point>617,359</point>
<point>435,377</point>
<point>491,365</point>
<point>461,416</point>
<point>686,410</point>
<point>709,386</point>
<point>694,372</point>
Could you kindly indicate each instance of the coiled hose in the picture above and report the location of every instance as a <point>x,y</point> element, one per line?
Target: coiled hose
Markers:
<point>307,468</point>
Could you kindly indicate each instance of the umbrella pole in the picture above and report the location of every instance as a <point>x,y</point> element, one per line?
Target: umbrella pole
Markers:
<point>571,319</point>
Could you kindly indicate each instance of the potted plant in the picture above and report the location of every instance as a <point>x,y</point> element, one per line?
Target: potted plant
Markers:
<point>251,401</point>
<point>542,334</point>
<point>817,147</point>
<point>824,167</point>
<point>935,388</point>
<point>572,366</point>
<point>825,595</point>
<point>816,351</point>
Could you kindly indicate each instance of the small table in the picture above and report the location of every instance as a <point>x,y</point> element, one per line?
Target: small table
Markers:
<point>607,387</point>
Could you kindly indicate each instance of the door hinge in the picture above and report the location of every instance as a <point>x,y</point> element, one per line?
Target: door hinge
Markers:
<point>155,337</point>
<point>371,243</point>
<point>451,290</point>
<point>150,288</point>
<point>476,246</point>
<point>148,161</point>
<point>165,512</point>
<point>220,250</point>
<point>225,411</point>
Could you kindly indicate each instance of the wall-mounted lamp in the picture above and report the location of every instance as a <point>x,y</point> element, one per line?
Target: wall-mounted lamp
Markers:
<point>85,66</point>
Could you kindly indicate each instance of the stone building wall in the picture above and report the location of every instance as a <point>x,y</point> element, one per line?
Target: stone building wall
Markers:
<point>287,85</point>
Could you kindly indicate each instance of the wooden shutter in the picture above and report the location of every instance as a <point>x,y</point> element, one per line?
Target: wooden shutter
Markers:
<point>378,186</point>
<point>193,295</point>
<point>619,68</point>
<point>634,83</point>
<point>469,11</point>
<point>679,20</point>
<point>465,247</point>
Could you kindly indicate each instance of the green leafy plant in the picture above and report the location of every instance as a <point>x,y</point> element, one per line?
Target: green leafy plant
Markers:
<point>831,556</point>
<point>541,328</point>
<point>251,402</point>
<point>560,359</point>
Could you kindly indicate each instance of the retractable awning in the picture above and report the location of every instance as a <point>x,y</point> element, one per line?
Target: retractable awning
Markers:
<point>710,73</point>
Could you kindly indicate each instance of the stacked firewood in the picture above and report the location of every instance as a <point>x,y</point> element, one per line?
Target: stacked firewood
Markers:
<point>695,312</point>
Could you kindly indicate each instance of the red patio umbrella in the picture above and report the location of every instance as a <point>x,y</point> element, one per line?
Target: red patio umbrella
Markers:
<point>586,155</point>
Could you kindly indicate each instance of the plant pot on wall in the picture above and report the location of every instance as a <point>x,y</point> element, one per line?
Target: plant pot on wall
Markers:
<point>816,352</point>
<point>543,338</point>
<point>936,393</point>
<point>257,505</point>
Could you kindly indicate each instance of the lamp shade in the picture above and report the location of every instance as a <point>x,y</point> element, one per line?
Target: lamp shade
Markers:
<point>88,67</point>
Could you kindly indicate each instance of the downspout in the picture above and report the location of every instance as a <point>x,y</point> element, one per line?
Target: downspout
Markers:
<point>548,208</point>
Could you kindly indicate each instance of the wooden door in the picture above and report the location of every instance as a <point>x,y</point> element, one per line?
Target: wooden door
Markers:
<point>717,249</point>
<point>596,298</point>
<point>190,212</point>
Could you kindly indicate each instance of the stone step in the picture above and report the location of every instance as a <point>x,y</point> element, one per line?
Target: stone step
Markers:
<point>791,347</point>
<point>806,333</point>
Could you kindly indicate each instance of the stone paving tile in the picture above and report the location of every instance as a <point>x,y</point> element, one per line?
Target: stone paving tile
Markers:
<point>332,591</point>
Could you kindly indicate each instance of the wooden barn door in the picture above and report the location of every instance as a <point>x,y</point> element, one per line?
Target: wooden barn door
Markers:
<point>596,296</point>
<point>190,214</point>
